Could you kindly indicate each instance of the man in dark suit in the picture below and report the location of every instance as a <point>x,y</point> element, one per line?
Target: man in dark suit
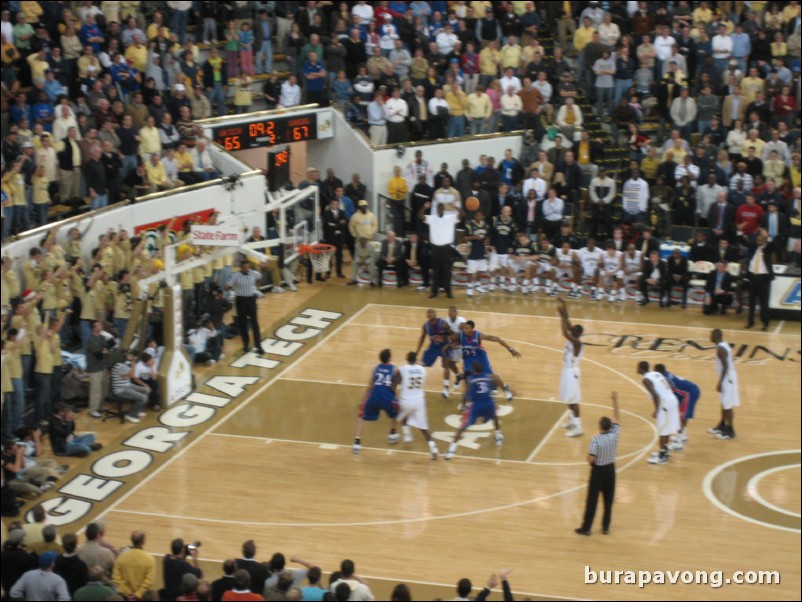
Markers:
<point>392,255</point>
<point>556,153</point>
<point>647,243</point>
<point>652,275</point>
<point>776,225</point>
<point>718,290</point>
<point>676,274</point>
<point>721,218</point>
<point>700,250</point>
<point>725,252</point>
<point>335,225</point>
<point>760,272</point>
<point>416,256</point>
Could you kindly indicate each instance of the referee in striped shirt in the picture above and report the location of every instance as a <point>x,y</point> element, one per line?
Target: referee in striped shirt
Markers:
<point>244,285</point>
<point>601,457</point>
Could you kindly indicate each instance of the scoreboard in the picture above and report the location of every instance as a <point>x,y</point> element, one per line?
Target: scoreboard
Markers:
<point>271,131</point>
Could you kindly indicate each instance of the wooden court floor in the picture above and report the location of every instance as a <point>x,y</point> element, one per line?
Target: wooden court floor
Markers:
<point>277,467</point>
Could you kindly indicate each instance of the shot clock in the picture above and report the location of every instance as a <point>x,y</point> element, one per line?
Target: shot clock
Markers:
<point>278,168</point>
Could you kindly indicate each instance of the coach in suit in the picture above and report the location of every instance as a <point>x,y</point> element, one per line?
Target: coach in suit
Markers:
<point>391,255</point>
<point>721,218</point>
<point>647,243</point>
<point>676,274</point>
<point>776,226</point>
<point>760,272</point>
<point>718,290</point>
<point>652,274</point>
<point>416,255</point>
<point>335,225</point>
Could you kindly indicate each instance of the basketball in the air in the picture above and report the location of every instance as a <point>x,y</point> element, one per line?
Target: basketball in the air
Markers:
<point>472,203</point>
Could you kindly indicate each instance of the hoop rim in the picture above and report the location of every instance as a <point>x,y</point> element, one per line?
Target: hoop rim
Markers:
<point>316,249</point>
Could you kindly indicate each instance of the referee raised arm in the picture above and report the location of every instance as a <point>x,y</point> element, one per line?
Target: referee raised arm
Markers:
<point>601,457</point>
<point>244,285</point>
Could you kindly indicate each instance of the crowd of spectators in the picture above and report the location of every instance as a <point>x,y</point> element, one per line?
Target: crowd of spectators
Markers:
<point>39,563</point>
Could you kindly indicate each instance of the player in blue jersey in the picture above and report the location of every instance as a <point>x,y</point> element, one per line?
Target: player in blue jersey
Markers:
<point>469,341</point>
<point>687,394</point>
<point>479,400</point>
<point>439,333</point>
<point>380,397</point>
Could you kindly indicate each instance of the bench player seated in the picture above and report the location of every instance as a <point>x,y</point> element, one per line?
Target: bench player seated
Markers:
<point>612,274</point>
<point>590,259</point>
<point>502,239</point>
<point>566,267</point>
<point>631,265</point>
<point>476,235</point>
<point>523,257</point>
<point>546,266</point>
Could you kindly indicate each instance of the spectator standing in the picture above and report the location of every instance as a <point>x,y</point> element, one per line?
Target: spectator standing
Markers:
<point>316,75</point>
<point>396,112</point>
<point>478,110</point>
<point>175,567</point>
<point>134,570</point>
<point>377,121</point>
<point>263,45</point>
<point>41,583</point>
<point>635,197</point>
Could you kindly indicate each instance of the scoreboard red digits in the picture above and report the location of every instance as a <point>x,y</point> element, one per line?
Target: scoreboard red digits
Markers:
<point>266,132</point>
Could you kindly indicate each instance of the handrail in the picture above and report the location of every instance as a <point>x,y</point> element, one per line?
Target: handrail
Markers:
<point>413,144</point>
<point>67,221</point>
<point>241,116</point>
<point>89,215</point>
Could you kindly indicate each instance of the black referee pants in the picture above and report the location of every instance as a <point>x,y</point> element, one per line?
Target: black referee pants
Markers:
<point>602,480</point>
<point>246,310</point>
<point>441,268</point>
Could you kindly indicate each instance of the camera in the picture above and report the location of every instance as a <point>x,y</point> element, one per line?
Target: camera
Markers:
<point>191,547</point>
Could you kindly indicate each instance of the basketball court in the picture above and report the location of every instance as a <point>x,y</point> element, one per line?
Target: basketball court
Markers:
<point>276,465</point>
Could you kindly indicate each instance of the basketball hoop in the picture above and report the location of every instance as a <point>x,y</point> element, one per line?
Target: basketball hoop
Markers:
<point>319,256</point>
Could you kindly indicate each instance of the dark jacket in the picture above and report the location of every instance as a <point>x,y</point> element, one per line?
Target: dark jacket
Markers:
<point>257,571</point>
<point>676,268</point>
<point>647,269</point>
<point>208,74</point>
<point>766,257</point>
<point>336,231</point>
<point>729,217</point>
<point>423,251</point>
<point>65,155</point>
<point>95,176</point>
<point>385,248</point>
<point>782,224</point>
<point>726,283</point>
<point>59,430</point>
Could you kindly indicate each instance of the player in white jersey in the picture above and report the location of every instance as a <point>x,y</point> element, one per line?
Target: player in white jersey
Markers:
<point>570,390</point>
<point>727,386</point>
<point>666,409</point>
<point>524,254</point>
<point>546,261</point>
<point>590,258</point>
<point>455,322</point>
<point>566,267</point>
<point>631,264</point>
<point>412,401</point>
<point>612,275</point>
